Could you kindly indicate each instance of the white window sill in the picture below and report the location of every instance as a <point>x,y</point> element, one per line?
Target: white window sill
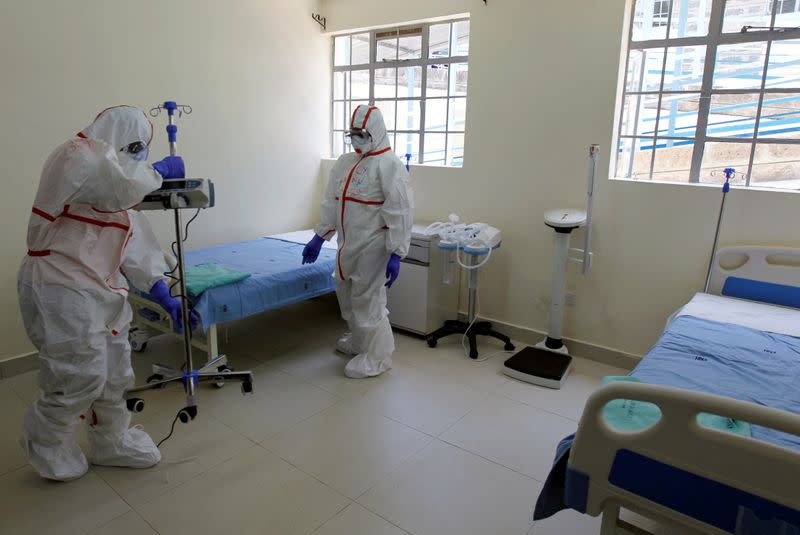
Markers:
<point>734,185</point>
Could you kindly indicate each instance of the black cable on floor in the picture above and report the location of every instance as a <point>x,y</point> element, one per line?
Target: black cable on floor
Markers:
<point>171,430</point>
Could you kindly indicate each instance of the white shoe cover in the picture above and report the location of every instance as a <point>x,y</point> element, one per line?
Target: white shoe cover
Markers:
<point>64,462</point>
<point>133,449</point>
<point>347,344</point>
<point>362,366</point>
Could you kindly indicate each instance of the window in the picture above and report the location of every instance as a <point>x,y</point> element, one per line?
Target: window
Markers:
<point>417,76</point>
<point>702,93</point>
<point>786,6</point>
<point>660,12</point>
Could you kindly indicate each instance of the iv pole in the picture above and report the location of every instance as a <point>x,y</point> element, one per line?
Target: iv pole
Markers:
<point>188,377</point>
<point>729,172</point>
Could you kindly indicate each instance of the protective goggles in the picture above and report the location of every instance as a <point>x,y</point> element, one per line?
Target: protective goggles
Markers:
<point>137,150</point>
<point>360,134</point>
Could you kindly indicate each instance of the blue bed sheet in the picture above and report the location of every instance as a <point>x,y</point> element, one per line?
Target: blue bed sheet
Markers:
<point>278,278</point>
<point>718,358</point>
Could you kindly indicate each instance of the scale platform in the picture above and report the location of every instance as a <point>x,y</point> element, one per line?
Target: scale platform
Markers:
<point>539,367</point>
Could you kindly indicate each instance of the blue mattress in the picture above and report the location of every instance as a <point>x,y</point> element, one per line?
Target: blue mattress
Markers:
<point>278,278</point>
<point>729,360</point>
<point>718,358</point>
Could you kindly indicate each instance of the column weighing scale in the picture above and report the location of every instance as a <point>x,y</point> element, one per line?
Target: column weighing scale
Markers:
<point>548,363</point>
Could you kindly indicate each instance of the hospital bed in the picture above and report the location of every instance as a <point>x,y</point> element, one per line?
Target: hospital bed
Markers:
<point>278,278</point>
<point>735,355</point>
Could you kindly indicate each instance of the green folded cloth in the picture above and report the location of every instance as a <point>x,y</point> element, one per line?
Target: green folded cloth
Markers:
<point>201,277</point>
<point>632,415</point>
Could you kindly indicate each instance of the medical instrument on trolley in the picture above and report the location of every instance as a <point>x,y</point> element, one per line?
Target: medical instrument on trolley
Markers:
<point>473,240</point>
<point>548,363</point>
<point>726,187</point>
<point>180,193</point>
<point>177,195</point>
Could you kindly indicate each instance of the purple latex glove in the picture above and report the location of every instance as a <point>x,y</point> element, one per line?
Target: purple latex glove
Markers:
<point>312,249</point>
<point>171,167</point>
<point>160,292</point>
<point>392,269</point>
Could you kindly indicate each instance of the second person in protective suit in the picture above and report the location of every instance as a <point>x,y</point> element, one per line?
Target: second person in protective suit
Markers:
<point>84,245</point>
<point>368,204</point>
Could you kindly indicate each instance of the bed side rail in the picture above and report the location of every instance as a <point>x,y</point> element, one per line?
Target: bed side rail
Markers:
<point>688,471</point>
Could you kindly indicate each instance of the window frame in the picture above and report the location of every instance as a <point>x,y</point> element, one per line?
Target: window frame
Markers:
<point>424,61</point>
<point>712,41</point>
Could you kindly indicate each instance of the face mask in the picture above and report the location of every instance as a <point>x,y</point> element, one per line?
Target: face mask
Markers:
<point>361,144</point>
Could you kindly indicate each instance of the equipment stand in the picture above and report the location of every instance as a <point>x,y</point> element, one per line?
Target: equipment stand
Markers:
<point>188,377</point>
<point>471,328</point>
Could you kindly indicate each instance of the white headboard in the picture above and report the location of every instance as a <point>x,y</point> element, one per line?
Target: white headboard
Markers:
<point>771,265</point>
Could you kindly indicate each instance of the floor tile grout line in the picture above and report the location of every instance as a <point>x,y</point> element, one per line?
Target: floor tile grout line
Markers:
<point>391,473</point>
<point>383,517</point>
<point>192,478</point>
<point>549,411</point>
<point>312,476</point>
<point>470,411</point>
<point>337,513</point>
<point>490,460</point>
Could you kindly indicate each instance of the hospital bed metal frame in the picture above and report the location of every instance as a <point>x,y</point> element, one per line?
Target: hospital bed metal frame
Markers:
<point>677,440</point>
<point>144,328</point>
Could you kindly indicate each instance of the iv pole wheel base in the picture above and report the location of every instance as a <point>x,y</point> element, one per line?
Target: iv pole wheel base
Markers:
<point>247,387</point>
<point>135,404</point>
<point>540,367</point>
<point>432,342</point>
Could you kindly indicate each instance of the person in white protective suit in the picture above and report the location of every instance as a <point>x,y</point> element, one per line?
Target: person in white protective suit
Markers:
<point>368,204</point>
<point>84,242</point>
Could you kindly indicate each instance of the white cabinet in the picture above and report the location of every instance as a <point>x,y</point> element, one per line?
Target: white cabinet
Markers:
<point>418,301</point>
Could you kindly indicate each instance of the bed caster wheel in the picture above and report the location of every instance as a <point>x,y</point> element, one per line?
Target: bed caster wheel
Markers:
<point>138,340</point>
<point>155,377</point>
<point>135,404</point>
<point>187,414</point>
<point>509,347</point>
<point>431,342</point>
<point>247,387</point>
<point>222,369</point>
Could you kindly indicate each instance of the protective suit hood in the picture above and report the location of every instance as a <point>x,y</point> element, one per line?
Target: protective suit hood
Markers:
<point>120,126</point>
<point>370,118</point>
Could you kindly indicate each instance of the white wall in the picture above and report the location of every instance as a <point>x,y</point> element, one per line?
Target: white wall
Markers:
<point>255,71</point>
<point>543,82</point>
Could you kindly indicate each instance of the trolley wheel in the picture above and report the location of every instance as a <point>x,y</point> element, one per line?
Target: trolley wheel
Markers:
<point>473,354</point>
<point>135,404</point>
<point>247,387</point>
<point>432,342</point>
<point>509,347</point>
<point>222,369</point>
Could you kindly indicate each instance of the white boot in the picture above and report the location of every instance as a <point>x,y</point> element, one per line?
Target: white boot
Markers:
<point>347,344</point>
<point>113,443</point>
<point>363,366</point>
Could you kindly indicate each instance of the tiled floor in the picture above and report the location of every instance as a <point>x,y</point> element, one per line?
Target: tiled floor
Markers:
<point>440,445</point>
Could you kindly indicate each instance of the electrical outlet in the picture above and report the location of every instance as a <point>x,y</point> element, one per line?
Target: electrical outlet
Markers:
<point>570,299</point>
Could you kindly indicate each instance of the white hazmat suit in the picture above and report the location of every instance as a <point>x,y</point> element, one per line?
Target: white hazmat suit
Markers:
<point>82,236</point>
<point>368,204</point>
